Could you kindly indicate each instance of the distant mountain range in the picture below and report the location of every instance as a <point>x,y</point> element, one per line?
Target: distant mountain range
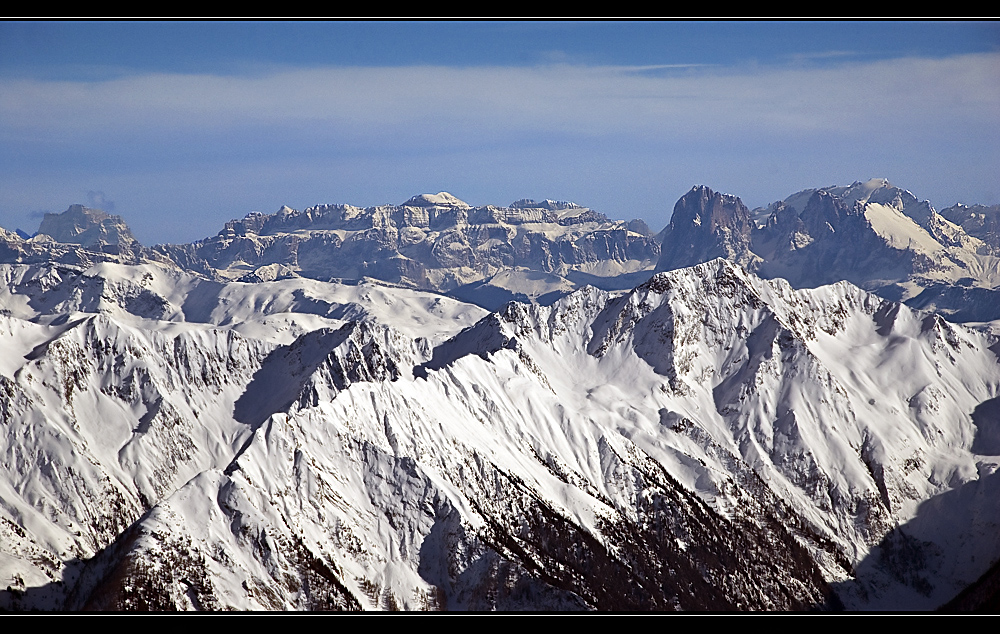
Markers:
<point>872,233</point>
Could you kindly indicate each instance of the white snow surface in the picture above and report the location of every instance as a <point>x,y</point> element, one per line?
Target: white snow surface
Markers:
<point>244,423</point>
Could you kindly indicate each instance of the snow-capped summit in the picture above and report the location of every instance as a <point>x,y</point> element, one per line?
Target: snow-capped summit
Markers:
<point>440,199</point>
<point>880,191</point>
<point>871,233</point>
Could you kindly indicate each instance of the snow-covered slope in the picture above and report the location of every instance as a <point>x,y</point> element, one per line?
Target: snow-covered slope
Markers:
<point>163,297</point>
<point>709,440</point>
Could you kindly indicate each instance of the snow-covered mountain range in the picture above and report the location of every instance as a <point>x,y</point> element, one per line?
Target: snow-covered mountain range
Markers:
<point>708,439</point>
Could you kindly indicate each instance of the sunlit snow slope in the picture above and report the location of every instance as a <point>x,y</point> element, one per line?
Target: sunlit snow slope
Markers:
<point>709,440</point>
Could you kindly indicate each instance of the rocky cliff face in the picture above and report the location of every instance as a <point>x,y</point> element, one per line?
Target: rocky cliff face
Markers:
<point>432,241</point>
<point>871,233</point>
<point>708,439</point>
<point>87,227</point>
<point>706,225</point>
<point>79,236</point>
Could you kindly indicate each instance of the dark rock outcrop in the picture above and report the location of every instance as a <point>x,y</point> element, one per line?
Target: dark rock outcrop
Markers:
<point>706,225</point>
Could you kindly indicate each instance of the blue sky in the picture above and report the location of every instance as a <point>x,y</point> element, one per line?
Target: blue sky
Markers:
<point>179,127</point>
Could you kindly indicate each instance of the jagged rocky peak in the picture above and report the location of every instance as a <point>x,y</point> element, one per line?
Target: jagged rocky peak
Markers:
<point>87,227</point>
<point>959,212</point>
<point>702,207</point>
<point>980,221</point>
<point>706,225</point>
<point>440,199</point>
<point>873,191</point>
<point>706,441</point>
<point>824,212</point>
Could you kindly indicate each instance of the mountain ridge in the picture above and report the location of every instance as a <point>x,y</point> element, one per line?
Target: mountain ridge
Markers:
<point>708,440</point>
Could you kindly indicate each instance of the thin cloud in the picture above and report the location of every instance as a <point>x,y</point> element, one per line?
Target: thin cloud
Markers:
<point>823,55</point>
<point>98,200</point>
<point>574,99</point>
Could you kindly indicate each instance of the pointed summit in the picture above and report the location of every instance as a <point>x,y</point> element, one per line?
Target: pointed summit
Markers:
<point>706,225</point>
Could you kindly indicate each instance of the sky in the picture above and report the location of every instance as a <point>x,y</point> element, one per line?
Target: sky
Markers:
<point>181,126</point>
